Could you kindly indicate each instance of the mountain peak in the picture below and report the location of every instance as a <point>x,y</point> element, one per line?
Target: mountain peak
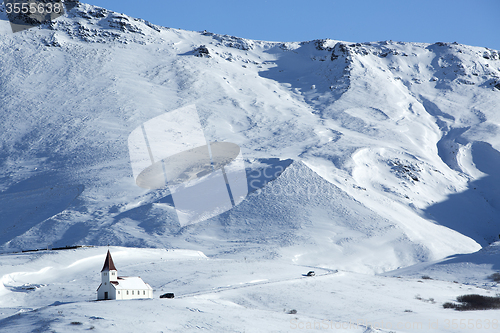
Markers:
<point>404,133</point>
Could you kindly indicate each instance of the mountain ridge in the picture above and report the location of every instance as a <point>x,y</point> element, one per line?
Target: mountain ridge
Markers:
<point>397,127</point>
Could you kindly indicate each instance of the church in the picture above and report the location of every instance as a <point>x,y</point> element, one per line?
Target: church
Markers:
<point>120,287</point>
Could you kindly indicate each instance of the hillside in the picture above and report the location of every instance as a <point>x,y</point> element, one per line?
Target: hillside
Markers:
<point>52,291</point>
<point>390,148</point>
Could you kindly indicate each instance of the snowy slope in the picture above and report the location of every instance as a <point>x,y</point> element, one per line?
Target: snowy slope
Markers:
<point>472,269</point>
<point>395,145</point>
<point>55,291</point>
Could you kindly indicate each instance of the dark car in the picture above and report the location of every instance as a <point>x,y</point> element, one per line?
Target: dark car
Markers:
<point>310,273</point>
<point>167,295</point>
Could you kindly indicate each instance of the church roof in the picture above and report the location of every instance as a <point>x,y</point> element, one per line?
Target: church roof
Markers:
<point>108,263</point>
<point>130,282</point>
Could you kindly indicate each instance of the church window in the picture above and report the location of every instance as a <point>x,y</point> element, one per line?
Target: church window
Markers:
<point>132,292</point>
<point>144,292</point>
<point>127,292</point>
<point>118,292</point>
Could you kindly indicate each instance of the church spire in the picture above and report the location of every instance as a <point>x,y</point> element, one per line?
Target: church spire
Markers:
<point>108,263</point>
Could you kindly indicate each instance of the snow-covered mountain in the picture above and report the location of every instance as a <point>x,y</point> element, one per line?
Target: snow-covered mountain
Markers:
<point>367,157</point>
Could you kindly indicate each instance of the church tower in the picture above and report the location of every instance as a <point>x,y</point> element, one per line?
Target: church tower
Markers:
<point>109,276</point>
<point>109,272</point>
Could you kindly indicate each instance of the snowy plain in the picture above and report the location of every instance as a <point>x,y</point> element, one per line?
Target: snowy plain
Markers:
<point>55,291</point>
<point>377,161</point>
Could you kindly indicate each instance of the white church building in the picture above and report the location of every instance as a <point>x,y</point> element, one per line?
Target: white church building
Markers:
<point>121,287</point>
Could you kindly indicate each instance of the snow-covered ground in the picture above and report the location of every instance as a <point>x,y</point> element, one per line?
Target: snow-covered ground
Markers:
<point>373,158</point>
<point>56,291</point>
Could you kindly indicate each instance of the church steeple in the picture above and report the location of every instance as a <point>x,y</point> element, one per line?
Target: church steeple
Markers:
<point>108,263</point>
<point>109,272</point>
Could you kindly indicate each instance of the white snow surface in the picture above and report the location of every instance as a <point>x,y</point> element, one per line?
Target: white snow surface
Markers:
<point>51,291</point>
<point>368,158</point>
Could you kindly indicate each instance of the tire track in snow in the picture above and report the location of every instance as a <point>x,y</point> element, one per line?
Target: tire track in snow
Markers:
<point>257,283</point>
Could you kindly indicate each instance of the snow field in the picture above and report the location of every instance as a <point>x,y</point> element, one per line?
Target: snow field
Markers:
<point>216,295</point>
